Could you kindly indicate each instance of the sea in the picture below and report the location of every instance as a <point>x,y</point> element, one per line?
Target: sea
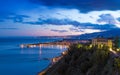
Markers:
<point>15,60</point>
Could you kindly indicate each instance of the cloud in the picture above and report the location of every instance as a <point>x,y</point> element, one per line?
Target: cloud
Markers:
<point>18,18</point>
<point>12,16</point>
<point>96,26</point>
<point>9,28</point>
<point>76,29</point>
<point>60,31</point>
<point>58,22</point>
<point>53,21</point>
<point>118,19</point>
<point>107,18</point>
<point>82,5</point>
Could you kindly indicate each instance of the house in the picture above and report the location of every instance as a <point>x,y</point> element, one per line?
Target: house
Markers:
<point>100,41</point>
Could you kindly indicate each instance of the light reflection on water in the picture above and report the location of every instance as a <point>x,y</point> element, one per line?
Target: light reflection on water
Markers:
<point>25,61</point>
<point>40,47</point>
<point>28,61</point>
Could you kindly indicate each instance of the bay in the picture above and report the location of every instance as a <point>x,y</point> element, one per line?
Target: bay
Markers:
<point>26,61</point>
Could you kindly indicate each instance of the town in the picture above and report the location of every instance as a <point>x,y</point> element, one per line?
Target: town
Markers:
<point>100,41</point>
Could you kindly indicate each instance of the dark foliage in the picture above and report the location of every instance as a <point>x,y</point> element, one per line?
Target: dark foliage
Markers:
<point>83,60</point>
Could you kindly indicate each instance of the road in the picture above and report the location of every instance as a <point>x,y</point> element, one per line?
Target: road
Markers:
<point>114,52</point>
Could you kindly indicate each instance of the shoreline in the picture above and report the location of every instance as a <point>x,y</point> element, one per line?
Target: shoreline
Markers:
<point>53,62</point>
<point>61,44</point>
<point>49,66</point>
<point>64,42</point>
<point>44,70</point>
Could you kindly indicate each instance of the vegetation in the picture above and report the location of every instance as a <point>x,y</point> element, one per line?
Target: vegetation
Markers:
<point>86,60</point>
<point>116,42</point>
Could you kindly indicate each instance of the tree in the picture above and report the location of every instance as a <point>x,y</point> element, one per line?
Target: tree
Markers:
<point>116,42</point>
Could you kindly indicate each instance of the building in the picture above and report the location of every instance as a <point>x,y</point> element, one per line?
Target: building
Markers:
<point>100,41</point>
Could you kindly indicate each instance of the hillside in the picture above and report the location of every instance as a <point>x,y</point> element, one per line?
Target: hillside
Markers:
<point>86,61</point>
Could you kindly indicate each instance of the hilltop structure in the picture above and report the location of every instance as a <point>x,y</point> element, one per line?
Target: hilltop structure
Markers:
<point>100,41</point>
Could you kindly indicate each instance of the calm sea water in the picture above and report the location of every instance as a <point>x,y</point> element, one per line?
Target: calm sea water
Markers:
<point>25,61</point>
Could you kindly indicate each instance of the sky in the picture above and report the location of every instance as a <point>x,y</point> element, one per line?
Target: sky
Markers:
<point>57,17</point>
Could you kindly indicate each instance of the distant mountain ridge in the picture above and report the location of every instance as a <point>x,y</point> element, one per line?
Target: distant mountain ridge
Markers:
<point>109,33</point>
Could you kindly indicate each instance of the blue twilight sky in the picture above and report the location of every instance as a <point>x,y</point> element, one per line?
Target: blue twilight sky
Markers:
<point>57,17</point>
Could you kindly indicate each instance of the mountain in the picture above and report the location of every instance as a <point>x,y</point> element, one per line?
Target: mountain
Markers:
<point>109,33</point>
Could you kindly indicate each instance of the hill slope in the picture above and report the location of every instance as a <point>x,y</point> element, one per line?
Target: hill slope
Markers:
<point>86,61</point>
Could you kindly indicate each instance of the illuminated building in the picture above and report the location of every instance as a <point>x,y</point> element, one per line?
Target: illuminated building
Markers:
<point>100,42</point>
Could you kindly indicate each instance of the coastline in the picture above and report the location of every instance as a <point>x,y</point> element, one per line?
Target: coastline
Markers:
<point>54,60</point>
<point>46,44</point>
<point>64,42</point>
<point>52,63</point>
<point>44,70</point>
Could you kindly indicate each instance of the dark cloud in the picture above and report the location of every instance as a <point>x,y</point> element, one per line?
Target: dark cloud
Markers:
<point>96,26</point>
<point>71,22</point>
<point>12,16</point>
<point>82,5</point>
<point>60,31</point>
<point>76,29</point>
<point>9,28</point>
<point>108,18</point>
<point>20,18</point>
<point>118,19</point>
<point>54,21</point>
